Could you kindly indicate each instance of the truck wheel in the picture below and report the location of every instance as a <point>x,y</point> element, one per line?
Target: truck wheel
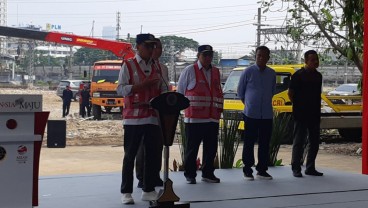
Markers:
<point>354,134</point>
<point>96,111</point>
<point>108,110</point>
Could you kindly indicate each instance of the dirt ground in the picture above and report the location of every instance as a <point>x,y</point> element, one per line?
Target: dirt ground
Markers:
<point>98,159</point>
<point>96,146</point>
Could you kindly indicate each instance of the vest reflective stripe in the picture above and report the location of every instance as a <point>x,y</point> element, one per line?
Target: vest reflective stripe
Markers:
<point>195,98</point>
<point>137,105</point>
<point>205,102</point>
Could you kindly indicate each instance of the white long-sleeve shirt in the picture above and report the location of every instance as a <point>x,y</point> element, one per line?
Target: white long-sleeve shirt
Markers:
<point>187,81</point>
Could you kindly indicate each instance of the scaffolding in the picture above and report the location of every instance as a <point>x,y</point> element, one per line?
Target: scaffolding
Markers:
<point>3,22</point>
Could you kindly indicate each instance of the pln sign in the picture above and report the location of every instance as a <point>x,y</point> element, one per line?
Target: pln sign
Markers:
<point>50,26</point>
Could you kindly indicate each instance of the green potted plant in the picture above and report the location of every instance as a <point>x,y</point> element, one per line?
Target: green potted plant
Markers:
<point>280,131</point>
<point>229,138</point>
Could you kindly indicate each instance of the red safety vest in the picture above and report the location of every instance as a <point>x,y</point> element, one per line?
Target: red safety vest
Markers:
<point>137,105</point>
<point>205,102</point>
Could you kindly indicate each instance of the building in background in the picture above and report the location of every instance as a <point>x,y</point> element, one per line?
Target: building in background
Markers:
<point>109,32</point>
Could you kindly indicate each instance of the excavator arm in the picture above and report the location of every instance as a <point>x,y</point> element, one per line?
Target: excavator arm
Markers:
<point>120,49</point>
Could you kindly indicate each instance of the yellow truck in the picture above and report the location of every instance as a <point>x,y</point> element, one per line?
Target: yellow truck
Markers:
<point>104,81</point>
<point>346,117</point>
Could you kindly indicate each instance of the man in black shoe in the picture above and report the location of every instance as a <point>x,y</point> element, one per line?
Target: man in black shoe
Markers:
<point>256,88</point>
<point>85,99</point>
<point>67,99</point>
<point>200,83</point>
<point>305,93</point>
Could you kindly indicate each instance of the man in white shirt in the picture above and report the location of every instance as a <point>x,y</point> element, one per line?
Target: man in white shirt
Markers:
<point>139,82</point>
<point>139,162</point>
<point>200,83</point>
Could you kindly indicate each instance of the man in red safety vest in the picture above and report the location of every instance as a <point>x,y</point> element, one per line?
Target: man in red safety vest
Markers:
<point>139,82</point>
<point>139,161</point>
<point>200,83</point>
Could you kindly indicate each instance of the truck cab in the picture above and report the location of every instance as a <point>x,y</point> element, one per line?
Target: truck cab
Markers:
<point>104,82</point>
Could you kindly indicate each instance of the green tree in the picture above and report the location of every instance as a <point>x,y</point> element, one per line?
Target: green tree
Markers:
<point>336,22</point>
<point>43,59</point>
<point>180,45</point>
<point>216,57</point>
<point>87,56</point>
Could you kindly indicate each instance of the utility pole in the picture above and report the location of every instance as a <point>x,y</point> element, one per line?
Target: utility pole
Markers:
<point>70,63</point>
<point>118,27</point>
<point>93,29</point>
<point>31,46</point>
<point>172,61</point>
<point>259,27</point>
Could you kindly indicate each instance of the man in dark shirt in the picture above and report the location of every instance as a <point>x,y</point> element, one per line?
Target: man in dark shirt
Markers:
<point>305,93</point>
<point>67,98</point>
<point>85,96</point>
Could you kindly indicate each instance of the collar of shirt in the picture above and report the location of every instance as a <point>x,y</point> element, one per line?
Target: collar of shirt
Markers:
<point>139,60</point>
<point>200,65</point>
<point>260,68</point>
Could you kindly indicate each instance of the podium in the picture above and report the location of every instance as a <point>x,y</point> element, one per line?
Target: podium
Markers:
<point>168,105</point>
<point>22,125</point>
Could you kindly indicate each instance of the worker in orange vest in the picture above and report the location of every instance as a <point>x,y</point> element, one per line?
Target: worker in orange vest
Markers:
<point>200,83</point>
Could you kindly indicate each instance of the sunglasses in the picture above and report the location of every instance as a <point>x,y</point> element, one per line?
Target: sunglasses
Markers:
<point>149,45</point>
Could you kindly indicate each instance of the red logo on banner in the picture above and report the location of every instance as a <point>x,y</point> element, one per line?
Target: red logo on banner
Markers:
<point>22,150</point>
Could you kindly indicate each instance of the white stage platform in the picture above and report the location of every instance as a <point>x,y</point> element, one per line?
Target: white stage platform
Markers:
<point>333,190</point>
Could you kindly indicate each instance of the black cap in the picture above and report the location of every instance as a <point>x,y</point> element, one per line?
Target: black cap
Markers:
<point>204,48</point>
<point>145,38</point>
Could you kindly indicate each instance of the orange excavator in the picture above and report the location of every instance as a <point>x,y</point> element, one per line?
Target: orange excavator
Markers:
<point>120,49</point>
<point>105,73</point>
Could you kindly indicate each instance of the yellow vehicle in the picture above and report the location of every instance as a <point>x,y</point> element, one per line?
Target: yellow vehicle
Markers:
<point>344,117</point>
<point>104,81</point>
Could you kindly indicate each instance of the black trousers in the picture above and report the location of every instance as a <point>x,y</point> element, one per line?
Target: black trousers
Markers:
<point>195,134</point>
<point>260,129</point>
<point>66,107</point>
<point>139,161</point>
<point>133,136</point>
<point>304,130</point>
<point>85,106</point>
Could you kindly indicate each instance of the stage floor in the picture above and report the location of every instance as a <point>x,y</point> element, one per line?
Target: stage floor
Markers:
<point>334,189</point>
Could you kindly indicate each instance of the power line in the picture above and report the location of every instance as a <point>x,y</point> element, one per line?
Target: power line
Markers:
<point>127,14</point>
<point>67,2</point>
<point>198,30</point>
<point>133,12</point>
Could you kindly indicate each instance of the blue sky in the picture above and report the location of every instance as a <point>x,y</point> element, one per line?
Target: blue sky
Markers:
<point>227,25</point>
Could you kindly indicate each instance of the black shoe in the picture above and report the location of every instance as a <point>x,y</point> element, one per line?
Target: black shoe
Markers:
<point>297,174</point>
<point>191,180</point>
<point>210,179</point>
<point>159,182</point>
<point>313,173</point>
<point>264,175</point>
<point>140,184</point>
<point>248,176</point>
